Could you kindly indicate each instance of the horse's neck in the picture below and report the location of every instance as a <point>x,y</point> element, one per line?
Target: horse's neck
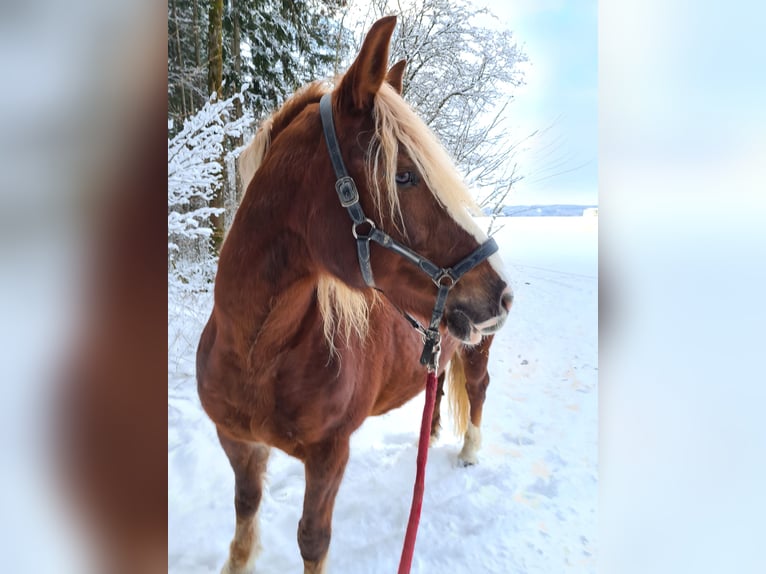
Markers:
<point>261,270</point>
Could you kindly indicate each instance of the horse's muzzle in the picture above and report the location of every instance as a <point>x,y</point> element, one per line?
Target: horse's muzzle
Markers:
<point>506,300</point>
<point>462,326</point>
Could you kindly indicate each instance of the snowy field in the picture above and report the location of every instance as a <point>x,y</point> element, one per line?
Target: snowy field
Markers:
<point>529,506</point>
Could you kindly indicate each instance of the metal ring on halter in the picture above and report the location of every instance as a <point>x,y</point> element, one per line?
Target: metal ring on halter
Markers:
<point>369,222</point>
<point>445,274</point>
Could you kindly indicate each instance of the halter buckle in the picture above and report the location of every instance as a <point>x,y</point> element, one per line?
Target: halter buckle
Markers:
<point>431,350</point>
<point>346,189</point>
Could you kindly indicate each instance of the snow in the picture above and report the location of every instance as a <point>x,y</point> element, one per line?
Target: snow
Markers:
<point>529,505</point>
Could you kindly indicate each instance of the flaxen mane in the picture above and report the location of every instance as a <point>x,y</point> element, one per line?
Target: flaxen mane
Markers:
<point>252,157</point>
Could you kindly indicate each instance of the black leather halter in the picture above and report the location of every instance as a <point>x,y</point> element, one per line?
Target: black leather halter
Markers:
<point>444,278</point>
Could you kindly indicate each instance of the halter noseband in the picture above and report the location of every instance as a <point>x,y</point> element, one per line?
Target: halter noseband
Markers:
<point>444,278</point>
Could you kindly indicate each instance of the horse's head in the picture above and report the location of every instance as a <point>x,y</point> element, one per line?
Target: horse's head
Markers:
<point>409,187</point>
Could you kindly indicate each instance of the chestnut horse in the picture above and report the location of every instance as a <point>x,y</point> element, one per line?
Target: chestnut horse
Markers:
<point>299,348</point>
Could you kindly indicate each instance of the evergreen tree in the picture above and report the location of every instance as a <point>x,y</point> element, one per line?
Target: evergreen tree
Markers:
<point>266,48</point>
<point>274,46</point>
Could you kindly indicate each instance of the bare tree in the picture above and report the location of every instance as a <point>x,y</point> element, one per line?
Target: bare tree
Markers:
<point>460,78</point>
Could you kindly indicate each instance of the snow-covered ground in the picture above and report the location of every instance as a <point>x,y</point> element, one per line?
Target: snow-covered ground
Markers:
<point>529,506</point>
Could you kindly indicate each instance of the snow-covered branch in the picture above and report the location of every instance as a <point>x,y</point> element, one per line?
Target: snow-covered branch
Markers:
<point>195,169</point>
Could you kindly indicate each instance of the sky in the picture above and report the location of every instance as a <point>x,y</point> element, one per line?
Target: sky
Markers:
<point>559,98</point>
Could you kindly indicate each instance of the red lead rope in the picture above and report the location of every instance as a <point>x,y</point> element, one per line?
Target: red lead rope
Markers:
<point>417,496</point>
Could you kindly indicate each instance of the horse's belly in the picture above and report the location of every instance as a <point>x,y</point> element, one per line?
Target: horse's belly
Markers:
<point>304,395</point>
<point>397,391</point>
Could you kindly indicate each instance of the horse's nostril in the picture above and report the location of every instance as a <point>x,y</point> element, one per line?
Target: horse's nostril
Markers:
<point>506,300</point>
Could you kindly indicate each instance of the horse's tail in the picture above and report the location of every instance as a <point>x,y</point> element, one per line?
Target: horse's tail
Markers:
<point>459,405</point>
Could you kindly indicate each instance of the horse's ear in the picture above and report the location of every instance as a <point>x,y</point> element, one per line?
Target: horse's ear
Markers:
<point>365,76</point>
<point>396,75</point>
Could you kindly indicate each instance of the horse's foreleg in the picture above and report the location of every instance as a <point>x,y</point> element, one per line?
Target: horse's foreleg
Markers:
<point>436,420</point>
<point>325,464</point>
<point>475,361</point>
<point>249,463</point>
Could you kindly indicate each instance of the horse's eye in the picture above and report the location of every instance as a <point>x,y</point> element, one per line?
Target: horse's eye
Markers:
<point>405,177</point>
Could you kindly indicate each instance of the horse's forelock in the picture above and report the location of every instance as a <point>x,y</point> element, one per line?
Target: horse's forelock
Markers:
<point>396,124</point>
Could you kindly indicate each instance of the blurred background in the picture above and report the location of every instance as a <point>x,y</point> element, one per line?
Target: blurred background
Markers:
<point>83,286</point>
<point>83,279</point>
<point>682,244</point>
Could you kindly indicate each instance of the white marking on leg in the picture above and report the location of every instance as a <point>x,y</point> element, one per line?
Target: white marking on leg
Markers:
<point>471,445</point>
<point>318,567</point>
<point>248,568</point>
<point>246,540</point>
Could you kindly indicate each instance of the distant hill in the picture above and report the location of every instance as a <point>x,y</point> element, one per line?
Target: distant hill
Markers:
<point>558,210</point>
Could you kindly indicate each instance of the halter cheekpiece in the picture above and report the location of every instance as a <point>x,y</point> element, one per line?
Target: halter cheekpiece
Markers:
<point>364,230</point>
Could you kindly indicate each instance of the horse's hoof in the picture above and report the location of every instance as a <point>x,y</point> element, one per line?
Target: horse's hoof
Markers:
<point>467,460</point>
<point>249,568</point>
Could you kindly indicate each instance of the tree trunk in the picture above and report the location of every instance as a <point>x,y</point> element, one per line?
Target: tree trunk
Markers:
<point>195,28</point>
<point>181,72</point>
<point>234,193</point>
<point>214,84</point>
<point>215,48</point>
<point>237,57</point>
<point>195,22</point>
